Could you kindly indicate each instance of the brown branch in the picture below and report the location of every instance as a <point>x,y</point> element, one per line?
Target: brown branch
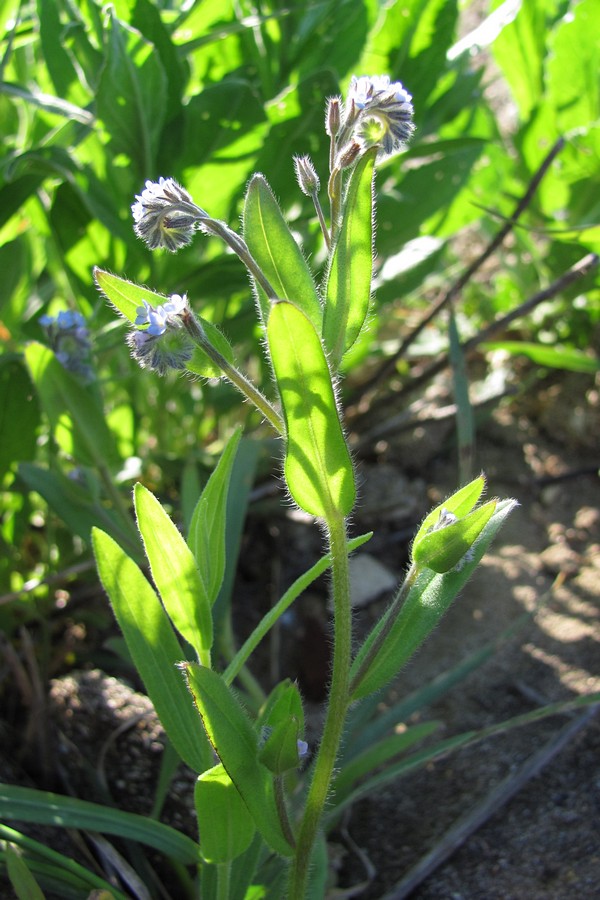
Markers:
<point>389,365</point>
<point>579,270</point>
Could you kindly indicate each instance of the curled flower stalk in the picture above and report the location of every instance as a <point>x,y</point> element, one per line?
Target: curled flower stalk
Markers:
<point>378,113</point>
<point>165,216</point>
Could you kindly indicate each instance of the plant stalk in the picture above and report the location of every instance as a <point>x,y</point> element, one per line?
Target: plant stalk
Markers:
<point>237,378</point>
<point>336,710</point>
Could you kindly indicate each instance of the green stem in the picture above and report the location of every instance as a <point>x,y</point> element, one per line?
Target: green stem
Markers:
<point>336,710</point>
<point>240,248</point>
<point>237,378</point>
<point>282,810</point>
<point>223,880</point>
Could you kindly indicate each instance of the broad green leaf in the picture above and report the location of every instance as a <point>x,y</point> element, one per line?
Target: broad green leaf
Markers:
<point>426,603</point>
<point>206,537</point>
<point>19,414</point>
<point>57,59</point>
<point>131,95</point>
<point>29,805</point>
<point>154,649</point>
<point>175,574</point>
<point>272,245</point>
<point>231,734</point>
<point>226,827</point>
<point>74,410</point>
<point>348,289</point>
<point>127,297</point>
<point>520,50</point>
<point>459,503</point>
<point>318,468</point>
<point>554,357</point>
<point>573,66</point>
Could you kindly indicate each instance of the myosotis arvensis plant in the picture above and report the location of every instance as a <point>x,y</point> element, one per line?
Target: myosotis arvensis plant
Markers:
<point>250,800</point>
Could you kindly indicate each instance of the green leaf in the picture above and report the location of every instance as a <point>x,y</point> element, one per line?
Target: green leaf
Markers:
<point>20,877</point>
<point>318,468</point>
<point>225,825</point>
<point>282,722</point>
<point>131,95</point>
<point>206,537</point>
<point>348,289</point>
<point>125,295</point>
<point>45,808</point>
<point>554,357</point>
<point>55,869</point>
<point>74,410</point>
<point>78,505</point>
<point>19,414</point>
<point>154,649</point>
<point>272,245</point>
<point>231,734</point>
<point>426,603</point>
<point>460,503</point>
<point>175,574</point>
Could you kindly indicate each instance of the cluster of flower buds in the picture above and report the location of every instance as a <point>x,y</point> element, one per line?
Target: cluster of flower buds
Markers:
<point>165,215</point>
<point>69,337</point>
<point>163,343</point>
<point>377,113</point>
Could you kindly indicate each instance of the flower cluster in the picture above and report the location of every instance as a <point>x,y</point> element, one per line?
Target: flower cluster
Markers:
<point>377,112</point>
<point>69,337</point>
<point>165,215</point>
<point>163,343</point>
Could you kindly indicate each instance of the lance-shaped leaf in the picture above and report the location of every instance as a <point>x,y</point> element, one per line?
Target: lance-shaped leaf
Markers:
<point>272,245</point>
<point>75,411</point>
<point>348,289</point>
<point>175,573</point>
<point>126,297</point>
<point>154,649</point>
<point>234,739</point>
<point>318,468</point>
<point>426,603</point>
<point>206,537</point>
<point>226,827</point>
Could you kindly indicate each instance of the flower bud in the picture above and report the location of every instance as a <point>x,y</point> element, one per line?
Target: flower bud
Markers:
<point>306,176</point>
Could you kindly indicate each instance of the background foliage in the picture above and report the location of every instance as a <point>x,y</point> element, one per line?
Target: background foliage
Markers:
<point>95,99</point>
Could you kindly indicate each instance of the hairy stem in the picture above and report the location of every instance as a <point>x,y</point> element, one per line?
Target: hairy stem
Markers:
<point>336,710</point>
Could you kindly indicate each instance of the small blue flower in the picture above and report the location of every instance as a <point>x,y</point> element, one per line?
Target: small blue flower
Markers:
<point>163,343</point>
